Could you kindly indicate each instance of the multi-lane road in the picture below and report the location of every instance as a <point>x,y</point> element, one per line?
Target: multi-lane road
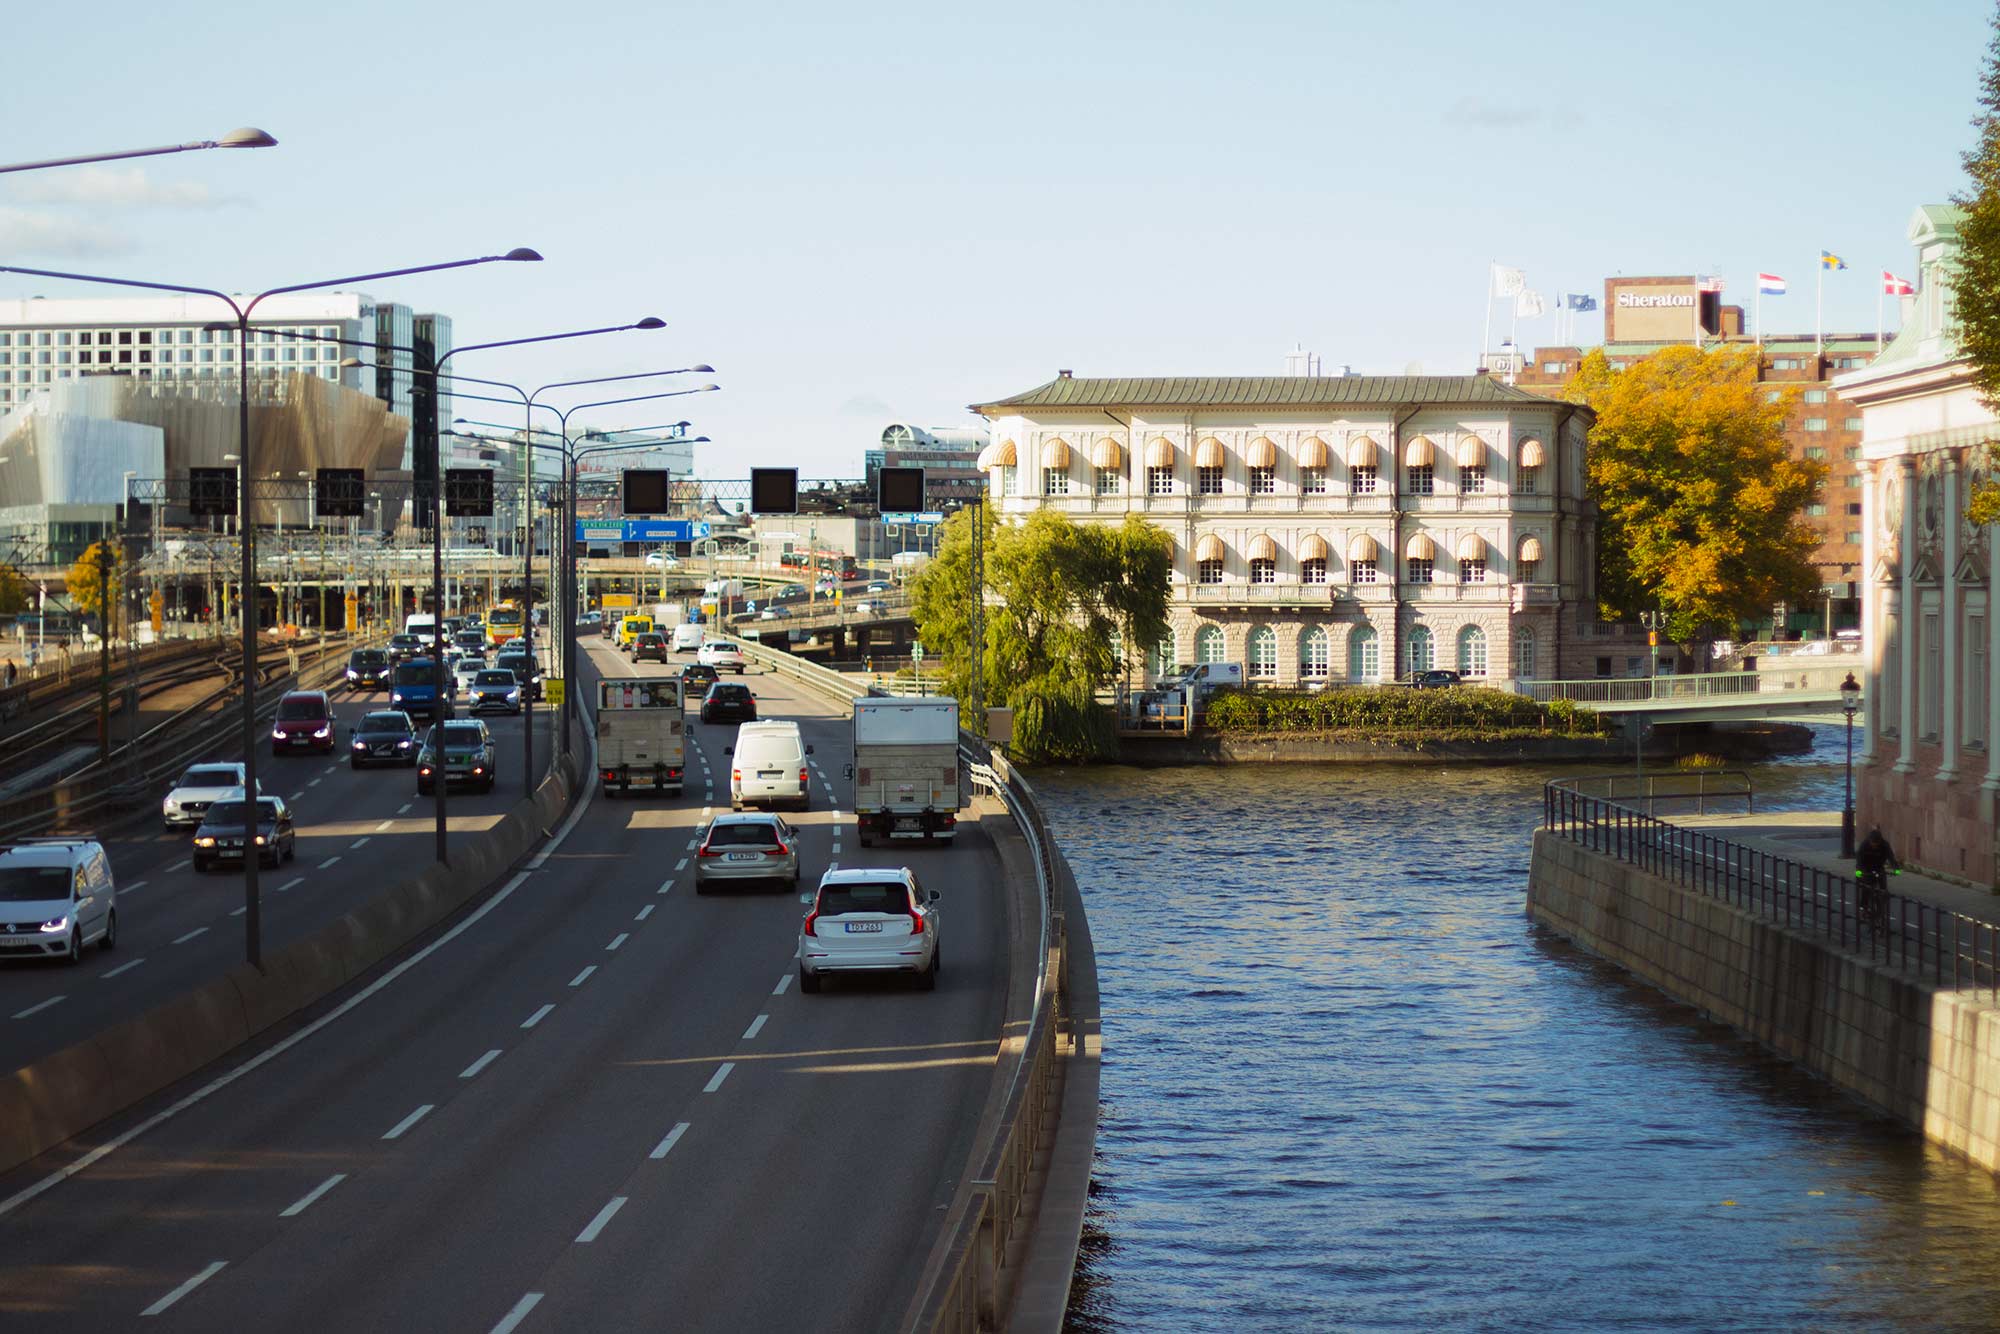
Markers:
<point>595,1102</point>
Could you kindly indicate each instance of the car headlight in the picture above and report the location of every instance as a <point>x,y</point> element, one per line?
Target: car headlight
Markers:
<point>260,840</point>
<point>395,697</point>
<point>359,744</point>
<point>205,841</point>
<point>353,675</point>
<point>277,734</point>
<point>170,805</point>
<point>514,693</point>
<point>402,745</point>
<point>55,924</point>
<point>324,732</point>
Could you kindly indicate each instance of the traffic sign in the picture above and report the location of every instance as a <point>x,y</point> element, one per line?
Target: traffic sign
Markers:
<point>917,651</point>
<point>552,691</point>
<point>912,516</point>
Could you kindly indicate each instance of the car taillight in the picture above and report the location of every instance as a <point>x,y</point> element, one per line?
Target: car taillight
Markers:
<point>706,851</point>
<point>425,771</point>
<point>803,780</point>
<point>735,775</point>
<point>778,846</point>
<point>917,922</point>
<point>811,918</point>
<point>610,774</point>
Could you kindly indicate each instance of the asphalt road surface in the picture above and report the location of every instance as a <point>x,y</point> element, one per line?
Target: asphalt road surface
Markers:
<point>596,1102</point>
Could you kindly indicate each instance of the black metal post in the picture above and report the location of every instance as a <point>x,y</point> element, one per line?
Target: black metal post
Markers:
<point>424,384</point>
<point>246,606</point>
<point>1847,803</point>
<point>528,601</point>
<point>104,650</point>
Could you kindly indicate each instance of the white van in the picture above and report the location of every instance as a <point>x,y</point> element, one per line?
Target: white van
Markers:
<point>767,766</point>
<point>61,895</point>
<point>687,638</point>
<point>421,623</point>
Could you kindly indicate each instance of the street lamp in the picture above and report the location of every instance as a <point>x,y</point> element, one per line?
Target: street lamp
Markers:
<point>1850,701</point>
<point>246,137</point>
<point>252,911</point>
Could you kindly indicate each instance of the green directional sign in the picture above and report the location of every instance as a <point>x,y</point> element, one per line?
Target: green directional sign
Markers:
<point>917,651</point>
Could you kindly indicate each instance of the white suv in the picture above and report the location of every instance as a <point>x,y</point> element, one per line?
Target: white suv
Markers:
<point>56,896</point>
<point>870,921</point>
<point>721,654</point>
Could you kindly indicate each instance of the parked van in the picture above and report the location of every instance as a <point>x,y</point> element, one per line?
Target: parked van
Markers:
<point>768,766</point>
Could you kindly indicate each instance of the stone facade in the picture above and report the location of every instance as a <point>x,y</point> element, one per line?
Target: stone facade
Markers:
<point>1928,771</point>
<point>1330,529</point>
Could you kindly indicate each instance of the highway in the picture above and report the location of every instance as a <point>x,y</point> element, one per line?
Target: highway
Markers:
<point>357,833</point>
<point>597,1101</point>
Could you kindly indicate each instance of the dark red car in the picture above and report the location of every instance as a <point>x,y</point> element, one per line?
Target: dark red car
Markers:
<point>304,722</point>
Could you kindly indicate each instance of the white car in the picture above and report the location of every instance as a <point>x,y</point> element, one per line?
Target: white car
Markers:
<point>721,654</point>
<point>662,560</point>
<point>56,896</point>
<point>466,669</point>
<point>870,921</point>
<point>196,790</point>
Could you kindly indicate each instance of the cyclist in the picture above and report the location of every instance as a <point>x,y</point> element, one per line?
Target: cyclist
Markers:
<point>1873,860</point>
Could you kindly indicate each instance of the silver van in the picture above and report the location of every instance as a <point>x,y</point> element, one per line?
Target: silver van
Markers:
<point>767,766</point>
<point>56,896</point>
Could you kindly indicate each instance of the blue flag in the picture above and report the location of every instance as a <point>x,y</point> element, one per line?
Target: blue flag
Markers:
<point>1578,301</point>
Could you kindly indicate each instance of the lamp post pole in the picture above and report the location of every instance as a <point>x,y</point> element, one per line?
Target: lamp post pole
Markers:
<point>1850,700</point>
<point>243,138</point>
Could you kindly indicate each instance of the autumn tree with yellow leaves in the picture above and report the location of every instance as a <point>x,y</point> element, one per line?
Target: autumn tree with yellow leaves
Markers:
<point>1701,503</point>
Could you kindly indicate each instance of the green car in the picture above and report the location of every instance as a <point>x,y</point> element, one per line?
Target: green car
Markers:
<point>468,756</point>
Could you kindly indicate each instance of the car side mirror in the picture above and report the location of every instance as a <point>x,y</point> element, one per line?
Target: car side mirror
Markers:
<point>729,750</point>
<point>848,772</point>
<point>934,896</point>
<point>809,750</point>
<point>807,899</point>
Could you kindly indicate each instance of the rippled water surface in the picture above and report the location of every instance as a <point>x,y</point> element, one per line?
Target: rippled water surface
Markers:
<point>1347,1085</point>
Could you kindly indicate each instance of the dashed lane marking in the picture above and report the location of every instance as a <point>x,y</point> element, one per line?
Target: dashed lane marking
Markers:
<point>182,864</point>
<point>122,968</point>
<point>583,976</point>
<point>313,1195</point>
<point>512,1320</point>
<point>756,1026</point>
<point>357,842</point>
<point>328,862</point>
<point>384,827</point>
<point>721,1073</point>
<point>681,865</point>
<point>537,1016</point>
<point>691,844</point>
<point>296,795</point>
<point>666,1146</point>
<point>471,1070</point>
<point>37,1009</point>
<point>618,940</point>
<point>132,888</point>
<point>293,883</point>
<point>158,1307</point>
<point>404,809</point>
<point>237,912</point>
<point>604,1216</point>
<point>644,913</point>
<point>198,931</point>
<point>398,1130</point>
<point>784,985</point>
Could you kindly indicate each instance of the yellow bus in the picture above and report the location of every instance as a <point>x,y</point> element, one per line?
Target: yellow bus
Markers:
<point>503,623</point>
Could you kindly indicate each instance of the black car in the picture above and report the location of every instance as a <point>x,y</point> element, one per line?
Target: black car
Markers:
<point>650,646</point>
<point>470,641</point>
<point>731,703</point>
<point>368,669</point>
<point>385,736</point>
<point>696,678</point>
<point>222,832</point>
<point>1436,679</point>
<point>403,647</point>
<point>468,756</point>
<point>524,669</point>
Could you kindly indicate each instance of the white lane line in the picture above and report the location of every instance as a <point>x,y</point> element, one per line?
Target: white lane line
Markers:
<point>295,796</point>
<point>836,849</point>
<point>583,976</point>
<point>604,1216</point>
<point>312,1196</point>
<point>38,1008</point>
<point>122,968</point>
<point>237,912</point>
<point>214,1268</point>
<point>756,1026</point>
<point>328,862</point>
<point>784,985</point>
<point>357,843</point>
<point>665,885</point>
<point>182,864</point>
<point>480,1064</point>
<point>644,913</point>
<point>315,782</point>
<point>537,1016</point>
<point>384,827</point>
<point>721,1073</point>
<point>680,866</point>
<point>691,844</point>
<point>132,888</point>
<point>707,811</point>
<point>404,809</point>
<point>198,931</point>
<point>666,1146</point>
<point>293,883</point>
<point>833,866</point>
<point>618,940</point>
<point>512,1320</point>
<point>396,1131</point>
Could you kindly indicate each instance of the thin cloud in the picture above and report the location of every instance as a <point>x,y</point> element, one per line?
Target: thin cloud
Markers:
<point>1485,113</point>
<point>25,231</point>
<point>864,405</point>
<point>116,187</point>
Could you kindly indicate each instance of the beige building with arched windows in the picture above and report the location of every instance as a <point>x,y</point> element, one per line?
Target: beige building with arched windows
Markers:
<point>1329,529</point>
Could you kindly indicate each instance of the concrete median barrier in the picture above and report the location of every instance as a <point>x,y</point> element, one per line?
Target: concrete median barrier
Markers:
<point>52,1100</point>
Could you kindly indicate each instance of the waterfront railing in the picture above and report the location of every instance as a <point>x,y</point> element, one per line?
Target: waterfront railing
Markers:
<point>1949,948</point>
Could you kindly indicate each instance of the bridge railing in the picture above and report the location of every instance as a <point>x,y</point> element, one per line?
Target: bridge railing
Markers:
<point>1793,676</point>
<point>1947,947</point>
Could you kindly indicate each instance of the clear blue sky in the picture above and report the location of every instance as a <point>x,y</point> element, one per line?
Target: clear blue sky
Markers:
<point>884,212</point>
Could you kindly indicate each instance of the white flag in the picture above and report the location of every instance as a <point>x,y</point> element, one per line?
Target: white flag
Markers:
<point>1528,305</point>
<point>1508,282</point>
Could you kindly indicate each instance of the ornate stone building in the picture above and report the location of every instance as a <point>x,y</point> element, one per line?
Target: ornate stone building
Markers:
<point>1928,771</point>
<point>1329,529</point>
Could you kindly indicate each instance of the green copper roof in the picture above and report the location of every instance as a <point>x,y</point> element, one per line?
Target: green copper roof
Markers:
<point>1265,391</point>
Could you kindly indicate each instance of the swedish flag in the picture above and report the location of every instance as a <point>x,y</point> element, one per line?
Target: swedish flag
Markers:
<point>1829,260</point>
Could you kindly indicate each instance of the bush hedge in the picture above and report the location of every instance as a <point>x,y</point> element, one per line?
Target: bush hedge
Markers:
<point>1457,710</point>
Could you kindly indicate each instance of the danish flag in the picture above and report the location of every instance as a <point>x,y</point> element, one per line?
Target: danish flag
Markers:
<point>1894,286</point>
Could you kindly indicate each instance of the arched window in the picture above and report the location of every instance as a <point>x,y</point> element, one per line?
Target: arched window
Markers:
<point>1264,653</point>
<point>1524,653</point>
<point>1364,656</point>
<point>1208,645</point>
<point>1315,653</point>
<point>1421,657</point>
<point>1166,655</point>
<point>1472,651</point>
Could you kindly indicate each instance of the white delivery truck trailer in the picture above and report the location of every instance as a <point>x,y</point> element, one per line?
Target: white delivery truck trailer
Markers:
<point>639,735</point>
<point>667,615</point>
<point>906,777</point>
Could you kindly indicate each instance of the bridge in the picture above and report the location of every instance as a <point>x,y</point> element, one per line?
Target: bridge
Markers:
<point>1795,688</point>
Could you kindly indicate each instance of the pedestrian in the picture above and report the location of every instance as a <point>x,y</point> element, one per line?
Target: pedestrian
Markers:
<point>13,674</point>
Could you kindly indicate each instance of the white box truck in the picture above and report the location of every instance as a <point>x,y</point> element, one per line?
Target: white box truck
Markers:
<point>667,615</point>
<point>905,772</point>
<point>640,735</point>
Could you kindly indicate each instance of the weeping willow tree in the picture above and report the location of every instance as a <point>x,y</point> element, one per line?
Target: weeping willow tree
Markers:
<point>1059,599</point>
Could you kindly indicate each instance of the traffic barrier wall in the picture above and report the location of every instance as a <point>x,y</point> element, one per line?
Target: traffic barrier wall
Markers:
<point>54,1099</point>
<point>1926,1053</point>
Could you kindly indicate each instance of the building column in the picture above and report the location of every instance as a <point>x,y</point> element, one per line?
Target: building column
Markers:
<point>1992,684</point>
<point>1910,622</point>
<point>1870,598</point>
<point>1948,623</point>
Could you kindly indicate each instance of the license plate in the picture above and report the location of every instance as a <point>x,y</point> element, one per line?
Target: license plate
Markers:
<point>906,833</point>
<point>864,928</point>
<point>742,857</point>
<point>20,940</point>
<point>907,823</point>
<point>770,773</point>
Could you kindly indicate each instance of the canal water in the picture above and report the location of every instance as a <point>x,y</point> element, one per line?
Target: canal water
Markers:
<point>1347,1085</point>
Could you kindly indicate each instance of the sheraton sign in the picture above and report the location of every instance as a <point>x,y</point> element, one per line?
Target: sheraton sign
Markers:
<point>1652,310</point>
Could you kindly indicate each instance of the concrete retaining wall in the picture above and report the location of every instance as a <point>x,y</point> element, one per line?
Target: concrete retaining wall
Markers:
<point>67,1092</point>
<point>1928,1055</point>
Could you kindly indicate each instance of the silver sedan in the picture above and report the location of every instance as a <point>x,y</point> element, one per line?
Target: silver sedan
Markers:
<point>751,846</point>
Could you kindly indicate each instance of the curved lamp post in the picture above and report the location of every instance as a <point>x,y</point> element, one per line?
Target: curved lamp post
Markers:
<point>247,137</point>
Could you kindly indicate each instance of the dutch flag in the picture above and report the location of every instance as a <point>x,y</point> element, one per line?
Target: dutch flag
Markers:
<point>1770,284</point>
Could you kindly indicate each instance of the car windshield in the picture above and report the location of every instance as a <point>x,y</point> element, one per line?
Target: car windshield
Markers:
<point>385,722</point>
<point>748,834</point>
<point>835,900</point>
<point>416,674</point>
<point>405,641</point>
<point>231,812</point>
<point>494,677</point>
<point>369,657</point>
<point>26,884</point>
<point>296,709</point>
<point>213,775</point>
<point>470,637</point>
<point>457,736</point>
<point>721,645</point>
<point>728,692</point>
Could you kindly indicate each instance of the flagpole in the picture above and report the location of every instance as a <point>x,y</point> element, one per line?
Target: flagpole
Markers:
<point>1880,328</point>
<point>1757,311</point>
<point>1819,308</point>
<point>1486,335</point>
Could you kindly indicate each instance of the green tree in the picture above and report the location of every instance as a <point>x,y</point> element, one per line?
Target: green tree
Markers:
<point>1976,284</point>
<point>88,578</point>
<point>1701,502</point>
<point>1061,596</point>
<point>14,596</point>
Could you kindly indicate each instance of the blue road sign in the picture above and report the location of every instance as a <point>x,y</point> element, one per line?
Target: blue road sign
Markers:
<point>606,531</point>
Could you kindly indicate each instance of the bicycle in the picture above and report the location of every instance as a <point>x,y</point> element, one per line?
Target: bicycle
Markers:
<point>1872,900</point>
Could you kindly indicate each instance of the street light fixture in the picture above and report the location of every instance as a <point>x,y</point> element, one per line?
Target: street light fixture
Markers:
<point>247,137</point>
<point>1850,703</point>
<point>252,909</point>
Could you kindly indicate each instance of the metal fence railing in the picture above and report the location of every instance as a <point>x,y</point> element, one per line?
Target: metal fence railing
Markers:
<point>1946,947</point>
<point>1806,675</point>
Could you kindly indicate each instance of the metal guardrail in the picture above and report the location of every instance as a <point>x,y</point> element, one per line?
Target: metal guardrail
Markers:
<point>1947,947</point>
<point>963,1293</point>
<point>1796,675</point>
<point>1699,786</point>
